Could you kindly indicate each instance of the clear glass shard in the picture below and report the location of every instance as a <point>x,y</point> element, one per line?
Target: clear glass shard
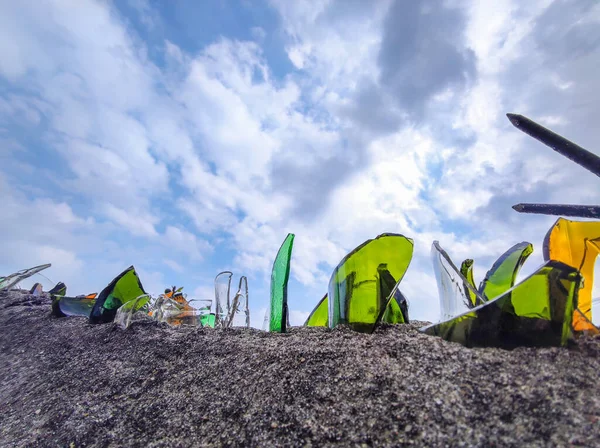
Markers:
<point>239,314</point>
<point>222,304</point>
<point>455,290</point>
<point>127,311</point>
<point>13,279</point>
<point>363,282</point>
<point>536,312</point>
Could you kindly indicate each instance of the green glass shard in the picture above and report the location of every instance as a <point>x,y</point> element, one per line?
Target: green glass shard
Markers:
<point>319,317</point>
<point>63,306</point>
<point>503,274</point>
<point>361,284</point>
<point>125,287</point>
<point>60,289</point>
<point>466,269</point>
<point>536,312</point>
<point>279,280</point>
<point>396,311</point>
<point>208,320</point>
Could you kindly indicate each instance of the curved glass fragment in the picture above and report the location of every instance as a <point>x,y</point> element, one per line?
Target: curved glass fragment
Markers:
<point>279,279</point>
<point>222,291</point>
<point>319,316</point>
<point>396,311</point>
<point>125,287</point>
<point>60,289</point>
<point>466,269</point>
<point>576,243</point>
<point>536,312</point>
<point>239,314</point>
<point>455,290</point>
<point>361,284</point>
<point>36,290</point>
<point>503,273</point>
<point>195,312</point>
<point>11,280</point>
<point>126,312</point>
<point>63,306</point>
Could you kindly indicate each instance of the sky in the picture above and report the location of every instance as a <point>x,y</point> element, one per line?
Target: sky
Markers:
<point>188,137</point>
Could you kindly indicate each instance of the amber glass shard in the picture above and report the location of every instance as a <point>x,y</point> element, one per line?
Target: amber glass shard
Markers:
<point>361,284</point>
<point>279,280</point>
<point>466,269</point>
<point>455,290</point>
<point>222,291</point>
<point>503,274</point>
<point>536,312</point>
<point>319,317</point>
<point>576,243</point>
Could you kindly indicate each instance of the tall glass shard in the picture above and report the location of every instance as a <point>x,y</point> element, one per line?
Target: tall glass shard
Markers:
<point>222,291</point>
<point>576,243</point>
<point>239,314</point>
<point>280,275</point>
<point>361,284</point>
<point>536,312</point>
<point>503,274</point>
<point>319,316</point>
<point>125,287</point>
<point>466,269</point>
<point>455,290</point>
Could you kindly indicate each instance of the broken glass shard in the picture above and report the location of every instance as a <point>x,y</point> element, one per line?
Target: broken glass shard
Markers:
<point>466,269</point>
<point>222,291</point>
<point>125,287</point>
<point>13,279</point>
<point>319,316</point>
<point>279,281</point>
<point>503,274</point>
<point>127,312</point>
<point>36,290</point>
<point>536,312</point>
<point>239,314</point>
<point>455,290</point>
<point>60,289</point>
<point>63,306</point>
<point>362,283</point>
<point>576,243</point>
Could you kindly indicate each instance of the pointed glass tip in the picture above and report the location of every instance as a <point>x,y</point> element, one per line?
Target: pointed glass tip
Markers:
<point>518,207</point>
<point>514,119</point>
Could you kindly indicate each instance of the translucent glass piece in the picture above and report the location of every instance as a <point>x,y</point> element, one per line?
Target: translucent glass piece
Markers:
<point>195,312</point>
<point>72,306</point>
<point>279,280</point>
<point>266,320</point>
<point>125,287</point>
<point>36,290</point>
<point>396,311</point>
<point>455,290</point>
<point>319,316</point>
<point>128,310</point>
<point>361,284</point>
<point>536,312</point>
<point>503,274</point>
<point>222,291</point>
<point>576,243</point>
<point>13,279</point>
<point>239,314</point>
<point>466,269</point>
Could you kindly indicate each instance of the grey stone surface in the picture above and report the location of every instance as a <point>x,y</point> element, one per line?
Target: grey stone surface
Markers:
<point>67,383</point>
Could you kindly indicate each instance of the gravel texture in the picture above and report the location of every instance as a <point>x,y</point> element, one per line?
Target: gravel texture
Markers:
<point>67,383</point>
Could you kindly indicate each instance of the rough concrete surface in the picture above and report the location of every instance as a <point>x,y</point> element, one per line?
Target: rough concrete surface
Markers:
<point>64,382</point>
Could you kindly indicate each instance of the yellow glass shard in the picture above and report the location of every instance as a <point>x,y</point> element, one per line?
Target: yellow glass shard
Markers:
<point>576,243</point>
<point>361,285</point>
<point>320,315</point>
<point>536,312</point>
<point>466,269</point>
